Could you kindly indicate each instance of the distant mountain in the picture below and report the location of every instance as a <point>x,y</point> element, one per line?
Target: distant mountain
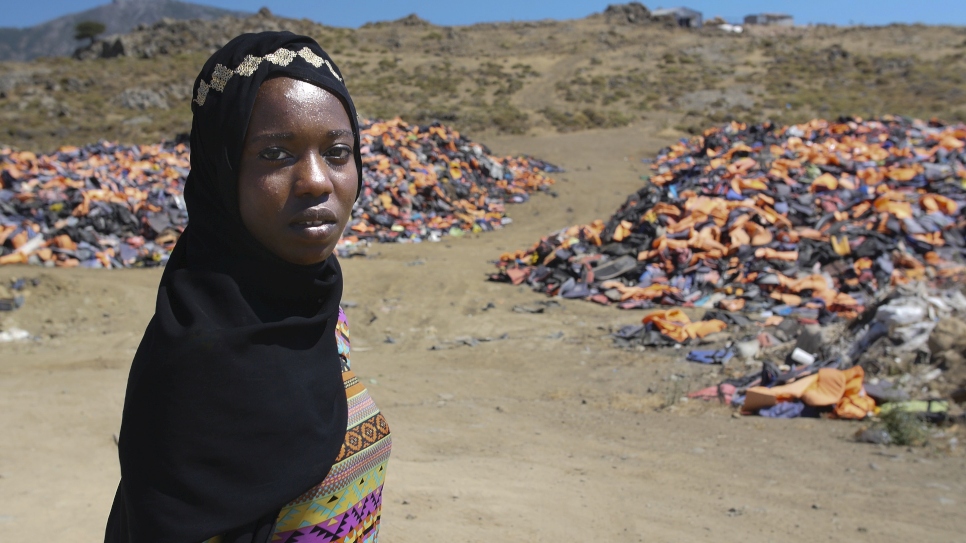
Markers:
<point>56,37</point>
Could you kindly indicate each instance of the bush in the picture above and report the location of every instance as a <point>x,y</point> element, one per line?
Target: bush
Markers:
<point>567,121</point>
<point>88,30</point>
<point>904,428</point>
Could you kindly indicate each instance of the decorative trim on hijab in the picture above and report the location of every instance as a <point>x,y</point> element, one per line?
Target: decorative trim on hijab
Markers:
<point>282,57</point>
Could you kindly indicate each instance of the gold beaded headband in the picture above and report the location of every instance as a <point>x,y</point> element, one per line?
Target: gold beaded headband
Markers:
<point>282,57</point>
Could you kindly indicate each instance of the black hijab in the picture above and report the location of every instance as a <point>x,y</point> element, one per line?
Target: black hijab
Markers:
<point>235,402</point>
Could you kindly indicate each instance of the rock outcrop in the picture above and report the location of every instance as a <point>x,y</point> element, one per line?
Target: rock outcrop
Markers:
<point>56,37</point>
<point>630,13</point>
<point>170,36</point>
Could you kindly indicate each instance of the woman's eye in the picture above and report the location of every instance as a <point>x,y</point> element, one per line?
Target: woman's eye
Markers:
<point>274,154</point>
<point>340,153</point>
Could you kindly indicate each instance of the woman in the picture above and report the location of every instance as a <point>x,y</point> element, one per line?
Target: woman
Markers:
<point>242,420</point>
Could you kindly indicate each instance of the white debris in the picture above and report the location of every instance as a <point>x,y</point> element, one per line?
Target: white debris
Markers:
<point>14,334</point>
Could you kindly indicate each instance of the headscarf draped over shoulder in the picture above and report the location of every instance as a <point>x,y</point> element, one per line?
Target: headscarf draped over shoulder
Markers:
<point>235,403</point>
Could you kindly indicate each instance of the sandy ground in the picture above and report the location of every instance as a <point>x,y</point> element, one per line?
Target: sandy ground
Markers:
<point>548,434</point>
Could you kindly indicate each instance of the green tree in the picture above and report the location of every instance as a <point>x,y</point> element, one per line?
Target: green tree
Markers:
<point>88,30</point>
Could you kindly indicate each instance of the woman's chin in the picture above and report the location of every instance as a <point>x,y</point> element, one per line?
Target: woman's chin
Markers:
<point>309,245</point>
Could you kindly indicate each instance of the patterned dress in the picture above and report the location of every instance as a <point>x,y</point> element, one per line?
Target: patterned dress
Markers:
<point>346,506</point>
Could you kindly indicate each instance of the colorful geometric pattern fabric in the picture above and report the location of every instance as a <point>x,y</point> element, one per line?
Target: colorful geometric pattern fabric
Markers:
<point>342,338</point>
<point>346,507</point>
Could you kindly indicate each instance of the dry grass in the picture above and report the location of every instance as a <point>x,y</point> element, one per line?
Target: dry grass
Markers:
<point>530,77</point>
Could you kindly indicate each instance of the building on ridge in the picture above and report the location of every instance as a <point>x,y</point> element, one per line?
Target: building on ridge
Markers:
<point>685,17</point>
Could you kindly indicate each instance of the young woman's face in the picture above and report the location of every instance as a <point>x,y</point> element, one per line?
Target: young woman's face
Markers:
<point>298,178</point>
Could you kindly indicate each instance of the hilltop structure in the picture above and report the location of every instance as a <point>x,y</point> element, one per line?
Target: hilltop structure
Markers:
<point>773,19</point>
<point>685,17</point>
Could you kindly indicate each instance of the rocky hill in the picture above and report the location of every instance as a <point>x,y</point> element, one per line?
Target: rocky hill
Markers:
<point>610,69</point>
<point>56,37</point>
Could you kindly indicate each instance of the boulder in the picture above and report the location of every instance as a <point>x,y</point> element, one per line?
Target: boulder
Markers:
<point>630,13</point>
<point>8,84</point>
<point>141,99</point>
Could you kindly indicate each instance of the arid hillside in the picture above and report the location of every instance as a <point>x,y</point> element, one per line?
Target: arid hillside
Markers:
<point>56,37</point>
<point>611,69</point>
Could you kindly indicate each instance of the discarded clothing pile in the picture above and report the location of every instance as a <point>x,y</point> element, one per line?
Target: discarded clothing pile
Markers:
<point>798,392</point>
<point>421,183</point>
<point>808,221</point>
<point>816,390</point>
<point>664,328</point>
<point>839,390</point>
<point>108,206</point>
<point>911,346</point>
<point>102,205</point>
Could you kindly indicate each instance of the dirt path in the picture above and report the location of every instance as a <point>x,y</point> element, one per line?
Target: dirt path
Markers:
<point>548,434</point>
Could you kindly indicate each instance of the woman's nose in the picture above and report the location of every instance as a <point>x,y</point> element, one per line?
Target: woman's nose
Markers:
<point>313,176</point>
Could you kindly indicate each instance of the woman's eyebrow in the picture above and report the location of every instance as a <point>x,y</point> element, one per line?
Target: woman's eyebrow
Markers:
<point>273,136</point>
<point>333,134</point>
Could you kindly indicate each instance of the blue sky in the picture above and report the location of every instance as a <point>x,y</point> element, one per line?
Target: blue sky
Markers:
<point>458,12</point>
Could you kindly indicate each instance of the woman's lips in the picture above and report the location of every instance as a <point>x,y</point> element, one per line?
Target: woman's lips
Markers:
<point>315,230</point>
<point>316,223</point>
<point>303,224</point>
<point>315,215</point>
